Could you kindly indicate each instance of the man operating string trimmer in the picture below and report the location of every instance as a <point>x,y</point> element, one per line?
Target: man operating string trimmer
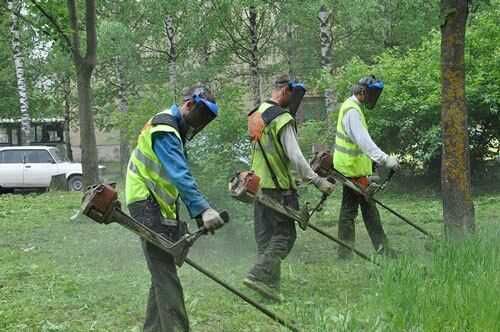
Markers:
<point>157,175</point>
<point>275,153</point>
<point>354,153</point>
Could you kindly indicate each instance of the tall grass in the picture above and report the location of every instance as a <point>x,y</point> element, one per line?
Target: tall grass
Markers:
<point>457,288</point>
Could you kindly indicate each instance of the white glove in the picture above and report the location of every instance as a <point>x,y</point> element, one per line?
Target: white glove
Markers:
<point>391,162</point>
<point>211,219</point>
<point>325,186</point>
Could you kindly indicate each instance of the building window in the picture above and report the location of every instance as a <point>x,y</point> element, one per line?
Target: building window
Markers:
<point>14,136</point>
<point>4,135</point>
<point>36,133</point>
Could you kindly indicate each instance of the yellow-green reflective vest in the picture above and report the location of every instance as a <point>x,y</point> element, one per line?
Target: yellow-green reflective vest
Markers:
<point>278,160</point>
<point>145,174</point>
<point>348,158</point>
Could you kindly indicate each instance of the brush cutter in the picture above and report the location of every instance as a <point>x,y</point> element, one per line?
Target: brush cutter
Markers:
<point>244,186</point>
<point>100,203</point>
<point>322,164</point>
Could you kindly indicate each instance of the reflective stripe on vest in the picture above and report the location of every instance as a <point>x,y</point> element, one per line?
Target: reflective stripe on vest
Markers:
<point>278,160</point>
<point>348,158</point>
<point>350,152</point>
<point>146,175</point>
<point>150,184</point>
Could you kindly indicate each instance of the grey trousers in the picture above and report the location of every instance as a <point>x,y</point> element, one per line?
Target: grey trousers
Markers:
<point>165,310</point>
<point>275,236</point>
<point>351,201</point>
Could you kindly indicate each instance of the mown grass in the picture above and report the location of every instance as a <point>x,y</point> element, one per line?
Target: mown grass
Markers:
<point>63,275</point>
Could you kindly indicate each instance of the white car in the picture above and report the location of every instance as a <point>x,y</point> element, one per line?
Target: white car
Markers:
<point>34,166</point>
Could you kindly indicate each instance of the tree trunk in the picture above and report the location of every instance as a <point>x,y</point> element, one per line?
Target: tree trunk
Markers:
<point>326,41</point>
<point>458,208</point>
<point>67,118</point>
<point>84,67</point>
<point>14,7</point>
<point>172,53</point>
<point>254,58</point>
<point>87,131</point>
<point>123,109</point>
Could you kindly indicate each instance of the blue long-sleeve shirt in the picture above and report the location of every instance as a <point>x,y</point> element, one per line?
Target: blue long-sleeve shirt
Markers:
<point>169,150</point>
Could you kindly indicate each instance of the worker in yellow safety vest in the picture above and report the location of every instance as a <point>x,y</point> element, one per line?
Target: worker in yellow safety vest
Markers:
<point>354,153</point>
<point>276,158</point>
<point>158,174</point>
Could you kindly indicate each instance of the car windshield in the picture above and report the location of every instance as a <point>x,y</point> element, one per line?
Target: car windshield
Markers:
<point>58,155</point>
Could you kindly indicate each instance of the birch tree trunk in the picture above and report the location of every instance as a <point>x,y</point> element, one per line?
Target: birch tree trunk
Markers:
<point>326,42</point>
<point>123,109</point>
<point>84,66</point>
<point>254,57</point>
<point>14,7</point>
<point>458,207</point>
<point>170,33</point>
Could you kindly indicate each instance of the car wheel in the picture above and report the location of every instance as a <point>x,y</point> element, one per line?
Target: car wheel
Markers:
<point>75,183</point>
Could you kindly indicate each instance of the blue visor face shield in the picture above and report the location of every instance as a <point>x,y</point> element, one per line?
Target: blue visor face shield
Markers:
<point>202,114</point>
<point>373,90</point>
<point>298,91</point>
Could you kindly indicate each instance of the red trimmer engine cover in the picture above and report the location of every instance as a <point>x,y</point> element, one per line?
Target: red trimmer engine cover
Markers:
<point>243,186</point>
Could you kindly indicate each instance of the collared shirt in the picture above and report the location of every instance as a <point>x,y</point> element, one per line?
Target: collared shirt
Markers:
<point>359,135</point>
<point>170,151</point>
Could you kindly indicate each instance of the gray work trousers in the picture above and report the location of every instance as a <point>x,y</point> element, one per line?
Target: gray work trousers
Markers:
<point>351,201</point>
<point>275,235</point>
<point>165,310</point>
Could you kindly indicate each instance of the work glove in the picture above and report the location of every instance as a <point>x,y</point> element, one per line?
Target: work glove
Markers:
<point>211,220</point>
<point>325,186</point>
<point>391,162</point>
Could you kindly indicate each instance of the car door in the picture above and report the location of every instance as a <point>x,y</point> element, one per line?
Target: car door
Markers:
<point>11,168</point>
<point>39,166</point>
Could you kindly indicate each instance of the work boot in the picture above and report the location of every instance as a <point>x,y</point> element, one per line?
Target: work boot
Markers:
<point>263,289</point>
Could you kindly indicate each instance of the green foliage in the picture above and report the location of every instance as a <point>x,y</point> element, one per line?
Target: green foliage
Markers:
<point>142,108</point>
<point>9,99</point>
<point>313,132</point>
<point>223,147</point>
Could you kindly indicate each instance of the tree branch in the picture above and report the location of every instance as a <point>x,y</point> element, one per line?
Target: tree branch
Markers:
<point>54,23</point>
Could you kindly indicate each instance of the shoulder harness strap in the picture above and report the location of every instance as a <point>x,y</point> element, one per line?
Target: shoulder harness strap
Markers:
<point>272,113</point>
<point>165,119</point>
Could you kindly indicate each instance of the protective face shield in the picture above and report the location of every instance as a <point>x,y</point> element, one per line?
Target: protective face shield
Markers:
<point>298,92</point>
<point>203,112</point>
<point>373,88</point>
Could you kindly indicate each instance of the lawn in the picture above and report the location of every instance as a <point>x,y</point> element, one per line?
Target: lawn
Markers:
<point>59,274</point>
